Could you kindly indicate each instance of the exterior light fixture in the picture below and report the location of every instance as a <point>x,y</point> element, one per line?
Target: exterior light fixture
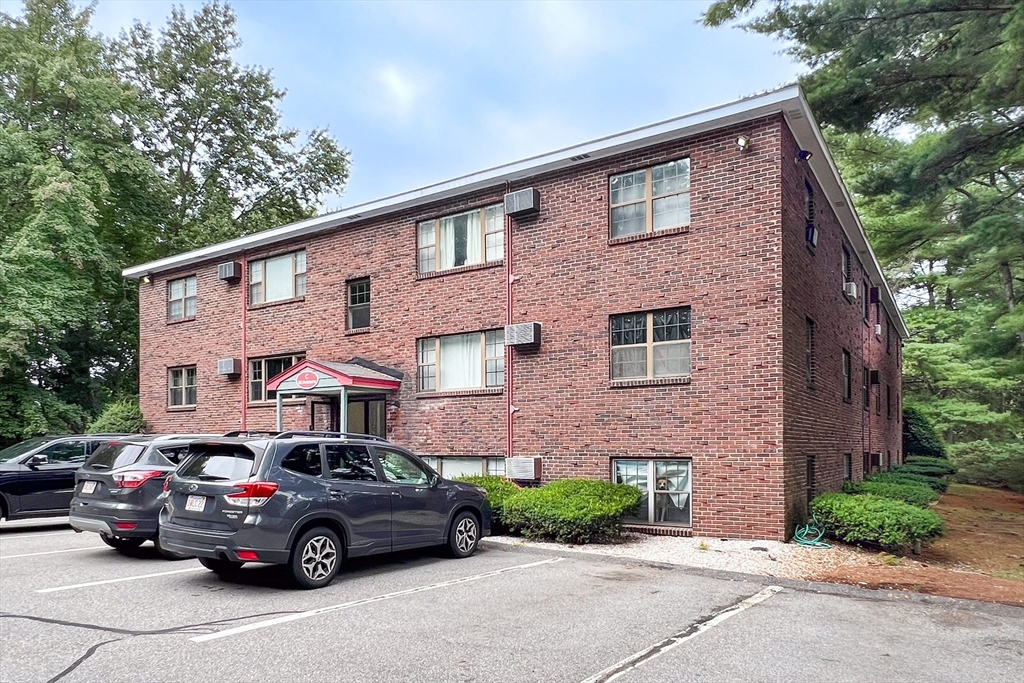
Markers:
<point>146,278</point>
<point>743,143</point>
<point>804,155</point>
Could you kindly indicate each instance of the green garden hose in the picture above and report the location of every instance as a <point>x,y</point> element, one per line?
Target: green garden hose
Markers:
<point>810,535</point>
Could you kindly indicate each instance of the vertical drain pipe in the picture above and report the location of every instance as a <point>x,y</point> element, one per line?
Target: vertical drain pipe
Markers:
<point>245,362</point>
<point>509,351</point>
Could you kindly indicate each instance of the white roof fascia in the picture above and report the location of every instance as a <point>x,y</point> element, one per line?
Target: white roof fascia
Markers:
<point>678,127</point>
<point>808,136</point>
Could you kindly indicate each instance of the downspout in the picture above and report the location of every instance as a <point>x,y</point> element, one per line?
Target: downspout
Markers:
<point>509,351</point>
<point>245,362</point>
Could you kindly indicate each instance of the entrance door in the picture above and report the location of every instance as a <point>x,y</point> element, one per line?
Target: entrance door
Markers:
<point>367,415</point>
<point>323,415</point>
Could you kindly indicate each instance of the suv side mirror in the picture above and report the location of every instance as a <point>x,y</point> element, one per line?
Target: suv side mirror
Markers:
<point>37,460</point>
<point>433,481</point>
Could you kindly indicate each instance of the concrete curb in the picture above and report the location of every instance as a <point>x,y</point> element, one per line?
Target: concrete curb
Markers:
<point>820,587</point>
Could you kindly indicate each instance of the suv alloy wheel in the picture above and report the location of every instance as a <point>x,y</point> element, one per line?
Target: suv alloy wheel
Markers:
<point>464,536</point>
<point>316,558</point>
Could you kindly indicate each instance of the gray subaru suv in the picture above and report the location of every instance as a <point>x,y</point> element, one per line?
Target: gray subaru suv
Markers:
<point>310,500</point>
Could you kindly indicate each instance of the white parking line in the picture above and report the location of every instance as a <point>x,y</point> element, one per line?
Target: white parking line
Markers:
<point>126,578</point>
<point>377,598</point>
<point>51,552</point>
<point>9,535</point>
<point>692,631</point>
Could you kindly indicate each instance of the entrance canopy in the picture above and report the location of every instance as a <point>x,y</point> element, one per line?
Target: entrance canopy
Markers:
<point>310,377</point>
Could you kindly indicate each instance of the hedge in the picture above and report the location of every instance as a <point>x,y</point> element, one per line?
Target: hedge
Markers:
<point>919,436</point>
<point>937,484</point>
<point>119,417</point>
<point>891,524</point>
<point>989,464</point>
<point>918,495</point>
<point>930,469</point>
<point>499,491</point>
<point>571,510</point>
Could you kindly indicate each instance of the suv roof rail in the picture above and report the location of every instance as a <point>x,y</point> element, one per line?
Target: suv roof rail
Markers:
<point>250,432</point>
<point>330,435</point>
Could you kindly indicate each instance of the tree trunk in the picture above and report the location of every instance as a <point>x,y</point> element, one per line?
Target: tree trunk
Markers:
<point>1006,275</point>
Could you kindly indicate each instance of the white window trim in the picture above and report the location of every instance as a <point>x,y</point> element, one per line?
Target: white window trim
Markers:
<point>422,344</point>
<point>183,369</point>
<point>183,298</point>
<point>649,199</point>
<point>436,243</point>
<point>298,277</point>
<point>651,490</point>
<point>296,358</point>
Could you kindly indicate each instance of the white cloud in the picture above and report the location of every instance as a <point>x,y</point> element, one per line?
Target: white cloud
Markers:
<point>400,92</point>
<point>572,31</point>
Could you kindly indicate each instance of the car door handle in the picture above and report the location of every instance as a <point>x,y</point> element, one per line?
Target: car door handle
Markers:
<point>396,493</point>
<point>339,495</point>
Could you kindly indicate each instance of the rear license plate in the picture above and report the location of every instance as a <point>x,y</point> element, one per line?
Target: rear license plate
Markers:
<point>88,487</point>
<point>195,503</point>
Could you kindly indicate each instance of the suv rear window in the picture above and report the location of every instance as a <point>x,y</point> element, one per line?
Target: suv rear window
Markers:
<point>115,454</point>
<point>218,463</point>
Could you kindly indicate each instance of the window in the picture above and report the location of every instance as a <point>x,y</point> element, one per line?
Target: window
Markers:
<point>865,395</point>
<point>277,279</point>
<point>462,239</point>
<point>809,364</point>
<point>848,467</point>
<point>304,459</point>
<point>495,467</point>
<point>666,488</point>
<point>462,361</point>
<point>811,231</point>
<point>650,199</point>
<point>866,298</point>
<point>181,386</point>
<point>401,469</point>
<point>846,266</point>
<point>847,377</point>
<point>359,304</point>
<point>888,335</point>
<point>181,298</point>
<point>350,463</point>
<point>888,460</point>
<point>262,369</point>
<point>637,353</point>
<point>65,451</point>
<point>866,465</point>
<point>450,468</point>
<point>878,398</point>
<point>888,402</point>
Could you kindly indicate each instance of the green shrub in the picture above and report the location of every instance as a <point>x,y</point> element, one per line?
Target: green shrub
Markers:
<point>119,417</point>
<point>499,490</point>
<point>937,484</point>
<point>891,524</point>
<point>919,436</point>
<point>929,469</point>
<point>918,495</point>
<point>989,464</point>
<point>571,510</point>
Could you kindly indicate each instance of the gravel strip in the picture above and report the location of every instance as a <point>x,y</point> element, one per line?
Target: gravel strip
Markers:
<point>769,558</point>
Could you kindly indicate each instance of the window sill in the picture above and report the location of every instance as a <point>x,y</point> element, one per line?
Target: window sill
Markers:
<point>648,382</point>
<point>811,249</point>
<point>360,330</point>
<point>181,320</point>
<point>490,391</point>
<point>282,302</point>
<point>626,239</point>
<point>181,409</point>
<point>461,269</point>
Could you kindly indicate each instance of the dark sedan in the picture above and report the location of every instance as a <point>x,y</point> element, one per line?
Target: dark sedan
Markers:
<point>37,476</point>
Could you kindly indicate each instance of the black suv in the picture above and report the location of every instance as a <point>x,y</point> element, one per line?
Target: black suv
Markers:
<point>309,500</point>
<point>119,489</point>
<point>37,476</point>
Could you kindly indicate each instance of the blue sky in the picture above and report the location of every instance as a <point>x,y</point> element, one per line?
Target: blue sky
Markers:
<point>426,91</point>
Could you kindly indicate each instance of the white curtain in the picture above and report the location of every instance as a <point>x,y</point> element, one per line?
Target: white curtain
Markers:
<point>460,240</point>
<point>460,362</point>
<point>278,278</point>
<point>474,247</point>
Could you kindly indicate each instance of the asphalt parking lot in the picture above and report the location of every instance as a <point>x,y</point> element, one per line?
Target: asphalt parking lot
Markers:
<point>72,609</point>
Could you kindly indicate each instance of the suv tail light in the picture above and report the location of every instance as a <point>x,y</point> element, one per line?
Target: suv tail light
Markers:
<point>133,480</point>
<point>253,493</point>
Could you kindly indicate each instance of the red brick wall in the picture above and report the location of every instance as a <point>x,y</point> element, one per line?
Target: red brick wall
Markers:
<point>728,266</point>
<point>818,422</point>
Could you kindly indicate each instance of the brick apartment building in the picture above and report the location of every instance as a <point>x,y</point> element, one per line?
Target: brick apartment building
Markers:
<point>714,327</point>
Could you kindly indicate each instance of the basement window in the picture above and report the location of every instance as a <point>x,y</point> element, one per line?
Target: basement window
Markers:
<point>666,489</point>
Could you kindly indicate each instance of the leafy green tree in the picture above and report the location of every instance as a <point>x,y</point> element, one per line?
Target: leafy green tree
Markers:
<point>214,133</point>
<point>123,416</point>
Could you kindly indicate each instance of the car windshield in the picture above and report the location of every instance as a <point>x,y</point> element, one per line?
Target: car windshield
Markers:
<point>115,454</point>
<point>18,449</point>
<point>212,462</point>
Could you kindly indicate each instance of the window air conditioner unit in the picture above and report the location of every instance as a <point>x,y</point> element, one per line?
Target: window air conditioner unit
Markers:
<point>875,377</point>
<point>522,335</point>
<point>878,329</point>
<point>229,367</point>
<point>522,203</point>
<point>850,289</point>
<point>523,469</point>
<point>230,271</point>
